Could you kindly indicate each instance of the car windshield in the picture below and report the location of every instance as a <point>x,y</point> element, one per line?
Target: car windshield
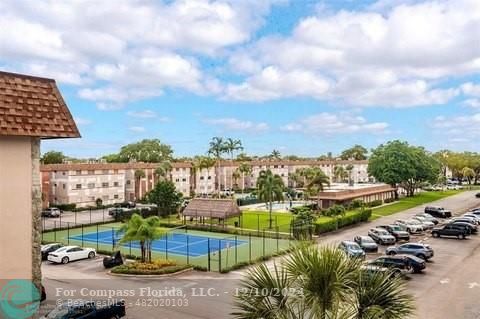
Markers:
<point>413,222</point>
<point>352,246</point>
<point>395,227</point>
<point>367,240</point>
<point>383,232</point>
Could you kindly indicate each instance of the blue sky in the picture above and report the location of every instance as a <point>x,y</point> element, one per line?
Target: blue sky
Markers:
<point>305,77</point>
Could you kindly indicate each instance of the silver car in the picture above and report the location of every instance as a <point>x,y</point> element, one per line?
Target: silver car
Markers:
<point>425,223</point>
<point>381,236</point>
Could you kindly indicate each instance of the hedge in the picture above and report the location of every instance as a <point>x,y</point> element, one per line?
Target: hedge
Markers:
<point>375,203</point>
<point>247,201</point>
<point>128,270</point>
<point>347,220</point>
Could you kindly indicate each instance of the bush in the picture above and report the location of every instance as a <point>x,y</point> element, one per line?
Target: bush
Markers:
<point>347,220</point>
<point>157,267</point>
<point>247,201</point>
<point>357,203</point>
<point>375,203</point>
<point>389,200</point>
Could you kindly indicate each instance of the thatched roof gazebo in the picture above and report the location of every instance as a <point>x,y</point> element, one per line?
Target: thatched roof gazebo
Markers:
<point>202,208</point>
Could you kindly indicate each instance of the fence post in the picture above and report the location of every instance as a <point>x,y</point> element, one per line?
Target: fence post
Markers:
<point>68,233</point>
<point>278,237</point>
<point>263,242</point>
<point>188,251</point>
<point>208,248</point>
<point>113,240</point>
<point>250,247</point>
<point>166,247</point>
<point>82,235</point>
<point>97,236</point>
<point>219,255</point>
<point>90,209</point>
<point>236,252</point>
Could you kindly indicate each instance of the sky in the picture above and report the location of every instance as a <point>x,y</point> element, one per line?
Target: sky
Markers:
<point>304,77</point>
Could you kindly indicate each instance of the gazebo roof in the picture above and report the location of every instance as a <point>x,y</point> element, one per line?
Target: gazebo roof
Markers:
<point>216,208</point>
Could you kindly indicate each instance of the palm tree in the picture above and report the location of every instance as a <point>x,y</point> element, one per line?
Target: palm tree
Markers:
<point>316,181</point>
<point>349,169</point>
<point>235,176</point>
<point>139,174</point>
<point>270,188</point>
<point>217,149</point>
<point>340,173</point>
<point>231,146</point>
<point>207,163</point>
<point>163,170</point>
<point>275,155</point>
<point>145,231</point>
<point>245,169</point>
<point>321,283</point>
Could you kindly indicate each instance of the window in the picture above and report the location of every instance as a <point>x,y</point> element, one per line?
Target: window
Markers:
<point>91,185</point>
<point>177,179</point>
<point>105,197</point>
<point>104,185</point>
<point>282,166</point>
<point>177,169</point>
<point>275,166</point>
<point>78,186</point>
<point>184,179</point>
<point>202,178</point>
<point>91,172</point>
<point>78,172</point>
<point>115,171</point>
<point>209,177</point>
<point>115,184</point>
<point>63,186</point>
<point>105,171</point>
<point>128,182</point>
<point>55,185</point>
<point>115,196</point>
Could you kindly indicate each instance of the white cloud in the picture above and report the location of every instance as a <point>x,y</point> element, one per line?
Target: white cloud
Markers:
<point>459,129</point>
<point>391,55</point>
<point>137,129</point>
<point>147,114</point>
<point>82,121</point>
<point>474,103</point>
<point>471,89</point>
<point>233,124</point>
<point>329,123</point>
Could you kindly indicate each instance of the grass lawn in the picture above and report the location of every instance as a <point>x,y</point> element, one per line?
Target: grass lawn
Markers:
<point>259,220</point>
<point>410,202</point>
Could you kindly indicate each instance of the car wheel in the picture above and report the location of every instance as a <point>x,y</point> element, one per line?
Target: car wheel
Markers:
<point>436,235</point>
<point>463,236</point>
<point>409,230</point>
<point>91,255</point>
<point>391,253</point>
<point>65,260</point>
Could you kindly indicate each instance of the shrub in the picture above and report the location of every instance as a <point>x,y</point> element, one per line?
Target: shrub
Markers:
<point>346,220</point>
<point>389,200</point>
<point>247,201</point>
<point>157,267</point>
<point>375,203</point>
<point>357,203</point>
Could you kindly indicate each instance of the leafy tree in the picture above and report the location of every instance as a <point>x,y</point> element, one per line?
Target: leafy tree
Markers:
<point>242,157</point>
<point>356,152</point>
<point>163,170</point>
<point>98,202</point>
<point>340,173</point>
<point>349,170</point>
<point>399,164</point>
<point>235,176</point>
<point>321,283</point>
<point>147,150</point>
<point>315,180</point>
<point>244,169</point>
<point>270,188</point>
<point>143,230</point>
<point>53,157</point>
<point>166,197</point>
<point>468,173</point>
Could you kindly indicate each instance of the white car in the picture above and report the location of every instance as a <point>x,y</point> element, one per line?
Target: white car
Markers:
<point>425,222</point>
<point>474,216</point>
<point>70,253</point>
<point>410,225</point>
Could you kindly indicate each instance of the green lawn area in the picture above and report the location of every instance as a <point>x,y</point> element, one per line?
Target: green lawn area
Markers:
<point>410,202</point>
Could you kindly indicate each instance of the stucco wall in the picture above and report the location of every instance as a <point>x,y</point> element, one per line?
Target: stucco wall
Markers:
<point>15,207</point>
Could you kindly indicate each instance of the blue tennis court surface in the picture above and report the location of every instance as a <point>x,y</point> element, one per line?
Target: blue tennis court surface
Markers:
<point>175,243</point>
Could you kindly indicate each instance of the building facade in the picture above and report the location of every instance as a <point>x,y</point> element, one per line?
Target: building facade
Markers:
<point>31,108</point>
<point>83,184</point>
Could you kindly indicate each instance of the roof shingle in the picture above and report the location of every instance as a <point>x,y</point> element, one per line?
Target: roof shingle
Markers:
<point>33,106</point>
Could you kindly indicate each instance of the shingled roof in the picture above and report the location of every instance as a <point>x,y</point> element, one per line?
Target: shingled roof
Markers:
<point>216,208</point>
<point>33,106</point>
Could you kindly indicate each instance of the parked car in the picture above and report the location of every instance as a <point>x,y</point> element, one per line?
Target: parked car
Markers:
<point>419,250</point>
<point>381,236</point>
<point>112,261</point>
<point>474,216</point>
<point>470,228</point>
<point>439,212</point>
<point>374,269</point>
<point>477,195</point>
<point>397,232</point>
<point>464,219</point>
<point>367,243</point>
<point>428,217</point>
<point>402,262</point>
<point>49,248</point>
<point>81,309</point>
<point>70,253</point>
<point>425,223</point>
<point>352,249</point>
<point>127,204</point>
<point>114,211</point>
<point>51,212</point>
<point>450,230</point>
<point>409,226</point>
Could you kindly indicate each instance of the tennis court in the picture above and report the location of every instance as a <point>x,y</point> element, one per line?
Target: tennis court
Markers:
<point>173,243</point>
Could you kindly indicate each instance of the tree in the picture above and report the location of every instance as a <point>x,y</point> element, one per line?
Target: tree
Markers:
<point>204,162</point>
<point>399,164</point>
<point>316,180</point>
<point>217,149</point>
<point>356,152</point>
<point>138,174</point>
<point>163,170</point>
<point>53,157</point>
<point>242,157</point>
<point>270,188</point>
<point>468,173</point>
<point>231,146</point>
<point>166,197</point>
<point>245,169</point>
<point>349,170</point>
<point>321,283</point>
<point>235,176</point>
<point>98,202</point>
<point>339,173</point>
<point>143,230</point>
<point>275,155</point>
<point>147,150</point>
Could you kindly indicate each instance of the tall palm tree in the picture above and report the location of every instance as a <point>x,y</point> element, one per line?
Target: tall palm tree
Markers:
<point>217,148</point>
<point>235,176</point>
<point>143,230</point>
<point>232,146</point>
<point>270,188</point>
<point>275,155</point>
<point>207,163</point>
<point>340,173</point>
<point>349,170</point>
<point>138,174</point>
<point>321,283</point>
<point>317,180</point>
<point>163,170</point>
<point>245,169</point>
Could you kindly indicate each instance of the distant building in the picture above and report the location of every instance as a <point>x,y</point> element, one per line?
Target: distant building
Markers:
<point>31,109</point>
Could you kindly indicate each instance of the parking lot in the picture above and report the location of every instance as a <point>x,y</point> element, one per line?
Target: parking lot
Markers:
<point>448,288</point>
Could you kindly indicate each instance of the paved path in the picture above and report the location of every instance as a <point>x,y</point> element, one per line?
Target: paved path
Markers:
<point>449,288</point>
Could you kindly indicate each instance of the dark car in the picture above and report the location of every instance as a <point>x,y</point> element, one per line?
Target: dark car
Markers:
<point>80,309</point>
<point>402,262</point>
<point>115,211</point>
<point>397,232</point>
<point>51,212</point>
<point>477,195</point>
<point>471,229</point>
<point>439,212</point>
<point>450,230</point>
<point>112,261</point>
<point>49,248</point>
<point>128,204</point>
<point>419,250</point>
<point>367,243</point>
